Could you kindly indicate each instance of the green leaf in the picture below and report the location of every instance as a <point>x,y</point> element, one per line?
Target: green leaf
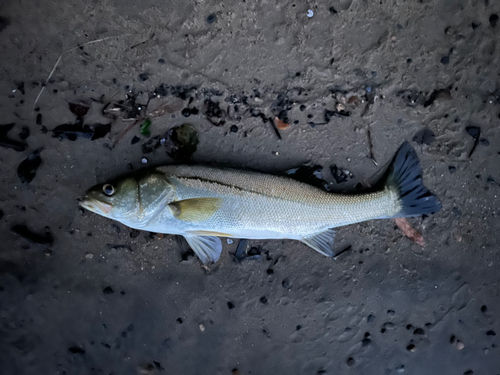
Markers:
<point>145,127</point>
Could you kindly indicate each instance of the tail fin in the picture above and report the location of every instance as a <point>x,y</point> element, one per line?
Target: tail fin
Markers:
<point>405,176</point>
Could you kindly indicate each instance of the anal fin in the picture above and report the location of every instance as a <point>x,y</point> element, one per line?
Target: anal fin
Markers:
<point>322,242</point>
<point>207,248</point>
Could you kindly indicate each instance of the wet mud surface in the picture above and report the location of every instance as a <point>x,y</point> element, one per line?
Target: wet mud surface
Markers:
<point>80,294</point>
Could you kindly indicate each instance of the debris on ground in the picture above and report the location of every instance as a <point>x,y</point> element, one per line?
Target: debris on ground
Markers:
<point>181,142</point>
<point>40,239</point>
<point>28,167</point>
<point>6,142</point>
<point>409,231</point>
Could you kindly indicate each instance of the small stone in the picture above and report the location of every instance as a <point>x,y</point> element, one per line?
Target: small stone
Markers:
<point>419,331</point>
<point>452,169</point>
<point>459,345</point>
<point>234,128</point>
<point>144,77</point>
<point>211,18</point>
<point>411,348</point>
<point>202,327</point>
<point>310,13</point>
<point>89,256</point>
<point>47,252</point>
<point>445,60</point>
<point>144,160</point>
<point>493,20</point>
<point>229,241</point>
<point>350,361</point>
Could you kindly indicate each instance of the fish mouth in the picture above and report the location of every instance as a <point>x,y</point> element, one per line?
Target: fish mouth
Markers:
<point>96,206</point>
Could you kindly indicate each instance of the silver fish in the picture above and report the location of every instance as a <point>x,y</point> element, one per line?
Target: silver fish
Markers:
<point>204,203</point>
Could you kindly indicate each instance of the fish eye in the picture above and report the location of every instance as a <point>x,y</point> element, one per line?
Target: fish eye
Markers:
<point>108,189</point>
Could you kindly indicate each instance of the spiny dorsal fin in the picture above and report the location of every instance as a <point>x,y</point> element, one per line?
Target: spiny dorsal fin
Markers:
<point>195,209</point>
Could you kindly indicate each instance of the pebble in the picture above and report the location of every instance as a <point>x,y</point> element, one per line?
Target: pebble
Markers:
<point>202,327</point>
<point>229,241</point>
<point>89,255</point>
<point>144,160</point>
<point>459,345</point>
<point>310,13</point>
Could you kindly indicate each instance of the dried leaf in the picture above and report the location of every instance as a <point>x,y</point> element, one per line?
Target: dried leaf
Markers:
<point>409,231</point>
<point>166,108</point>
<point>281,125</point>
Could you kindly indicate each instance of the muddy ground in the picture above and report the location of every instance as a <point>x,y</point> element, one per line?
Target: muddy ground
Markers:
<point>85,295</point>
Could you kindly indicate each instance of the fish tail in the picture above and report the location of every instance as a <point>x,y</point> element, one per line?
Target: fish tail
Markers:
<point>404,177</point>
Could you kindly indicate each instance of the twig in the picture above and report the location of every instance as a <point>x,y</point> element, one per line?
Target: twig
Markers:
<point>59,60</point>
<point>370,145</point>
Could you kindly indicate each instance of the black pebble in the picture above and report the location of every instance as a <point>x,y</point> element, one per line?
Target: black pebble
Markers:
<point>1,214</point>
<point>350,361</point>
<point>135,140</point>
<point>211,18</point>
<point>263,300</point>
<point>474,26</point>
<point>28,167</point>
<point>25,132</point>
<point>452,169</point>
<point>445,60</point>
<point>410,347</point>
<point>285,284</point>
<point>230,305</point>
<point>186,112</point>
<point>161,61</point>
<point>179,320</point>
<point>39,119</point>
<point>332,10</point>
<point>493,20</point>
<point>419,331</point>
<point>76,350</point>
<point>4,22</point>
<point>491,333</point>
<point>144,77</point>
<point>469,372</point>
<point>298,328</point>
<point>473,131</point>
<point>108,290</point>
<point>302,108</point>
<point>270,271</point>
<point>484,308</point>
<point>370,318</point>
<point>234,128</point>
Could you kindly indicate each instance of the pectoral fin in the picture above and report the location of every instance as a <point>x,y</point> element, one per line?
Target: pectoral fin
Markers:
<point>322,242</point>
<point>195,209</point>
<point>207,248</point>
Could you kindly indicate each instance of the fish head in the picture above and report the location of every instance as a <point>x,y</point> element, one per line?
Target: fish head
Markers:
<point>132,200</point>
<point>117,200</point>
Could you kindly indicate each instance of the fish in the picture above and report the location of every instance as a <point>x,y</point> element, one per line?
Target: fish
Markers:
<point>203,203</point>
